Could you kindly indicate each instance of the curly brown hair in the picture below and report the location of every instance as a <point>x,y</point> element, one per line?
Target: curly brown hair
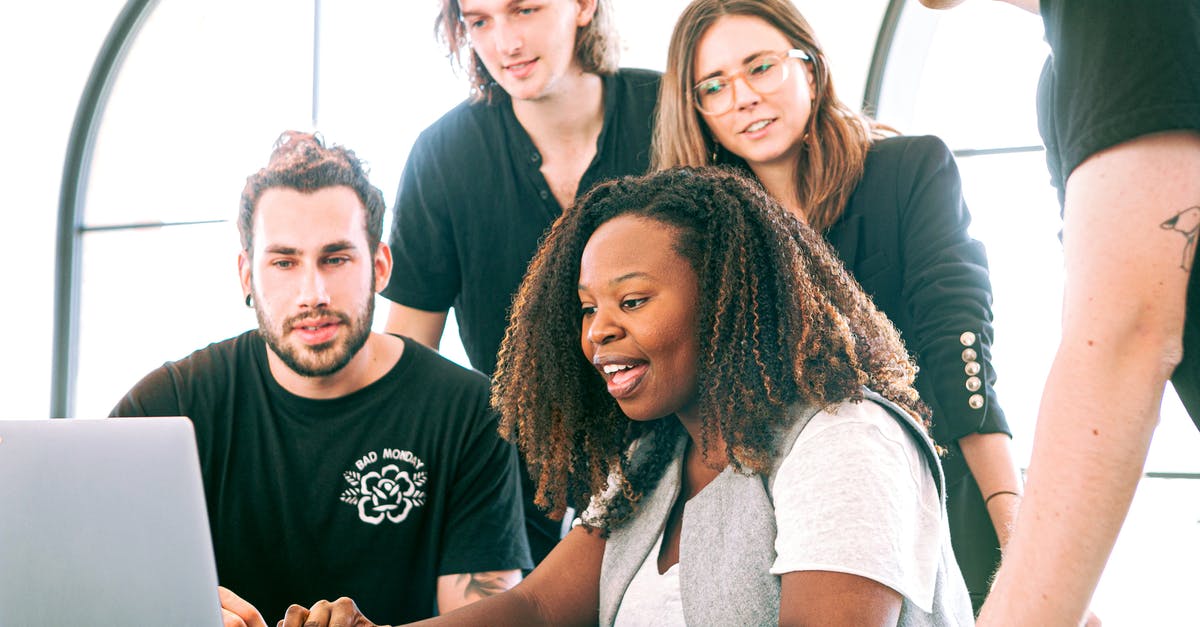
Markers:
<point>302,162</point>
<point>780,323</point>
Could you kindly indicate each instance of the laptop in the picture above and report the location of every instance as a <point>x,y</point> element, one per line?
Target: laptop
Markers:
<point>103,522</point>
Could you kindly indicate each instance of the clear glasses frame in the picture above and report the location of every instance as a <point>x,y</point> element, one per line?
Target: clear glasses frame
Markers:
<point>764,74</point>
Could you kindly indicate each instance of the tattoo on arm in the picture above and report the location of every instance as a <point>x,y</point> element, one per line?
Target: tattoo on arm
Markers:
<point>1187,223</point>
<point>475,586</point>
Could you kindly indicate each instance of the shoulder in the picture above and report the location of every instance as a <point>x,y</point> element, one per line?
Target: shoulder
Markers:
<point>639,78</point>
<point>462,128</point>
<point>906,166</point>
<point>168,389</point>
<point>856,435</point>
<point>217,358</point>
<point>638,88</point>
<point>857,416</point>
<point>924,147</point>
<point>439,376</point>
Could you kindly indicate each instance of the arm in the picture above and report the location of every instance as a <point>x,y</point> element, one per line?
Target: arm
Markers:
<point>947,291</point>
<point>563,590</point>
<point>426,277</point>
<point>989,456</point>
<point>1123,313</point>
<point>455,591</point>
<point>830,599</point>
<point>425,327</point>
<point>858,519</point>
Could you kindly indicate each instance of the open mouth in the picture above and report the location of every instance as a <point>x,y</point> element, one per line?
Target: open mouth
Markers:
<point>316,330</point>
<point>759,125</point>
<point>624,377</point>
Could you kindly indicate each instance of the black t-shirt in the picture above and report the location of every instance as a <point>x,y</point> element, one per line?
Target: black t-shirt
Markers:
<point>1117,70</point>
<point>473,205</point>
<point>1120,69</point>
<point>372,495</point>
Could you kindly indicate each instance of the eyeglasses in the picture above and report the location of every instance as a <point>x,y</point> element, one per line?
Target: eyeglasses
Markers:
<point>764,74</point>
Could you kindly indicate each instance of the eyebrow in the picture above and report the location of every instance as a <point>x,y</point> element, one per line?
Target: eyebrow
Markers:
<point>619,279</point>
<point>511,5</point>
<point>332,247</point>
<point>748,58</point>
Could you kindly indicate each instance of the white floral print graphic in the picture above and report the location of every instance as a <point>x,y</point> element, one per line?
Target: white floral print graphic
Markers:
<point>388,493</point>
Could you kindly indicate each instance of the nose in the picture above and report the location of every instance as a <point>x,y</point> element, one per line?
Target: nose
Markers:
<point>508,37</point>
<point>603,329</point>
<point>313,292</point>
<point>743,94</point>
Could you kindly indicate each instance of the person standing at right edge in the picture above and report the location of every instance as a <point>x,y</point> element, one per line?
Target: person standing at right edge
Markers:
<point>550,116</point>
<point>1119,111</point>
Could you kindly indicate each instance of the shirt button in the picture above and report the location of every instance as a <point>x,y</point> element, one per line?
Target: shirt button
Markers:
<point>534,157</point>
<point>967,338</point>
<point>973,384</point>
<point>972,368</point>
<point>544,194</point>
<point>969,354</point>
<point>976,401</point>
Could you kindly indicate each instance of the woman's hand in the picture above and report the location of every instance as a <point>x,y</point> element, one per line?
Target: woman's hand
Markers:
<point>342,612</point>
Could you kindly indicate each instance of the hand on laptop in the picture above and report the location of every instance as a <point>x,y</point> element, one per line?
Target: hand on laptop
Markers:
<point>237,612</point>
<point>340,612</point>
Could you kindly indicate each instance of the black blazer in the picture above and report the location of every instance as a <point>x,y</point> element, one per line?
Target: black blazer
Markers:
<point>903,235</point>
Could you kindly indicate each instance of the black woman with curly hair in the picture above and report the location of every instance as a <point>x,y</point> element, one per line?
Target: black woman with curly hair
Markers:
<point>697,363</point>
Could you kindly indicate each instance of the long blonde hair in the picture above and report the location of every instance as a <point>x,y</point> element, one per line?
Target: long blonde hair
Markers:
<point>836,139</point>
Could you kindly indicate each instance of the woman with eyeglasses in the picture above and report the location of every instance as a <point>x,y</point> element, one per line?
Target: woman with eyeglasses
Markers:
<point>747,85</point>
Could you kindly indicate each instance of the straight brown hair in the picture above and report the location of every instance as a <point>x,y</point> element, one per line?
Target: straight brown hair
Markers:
<point>837,137</point>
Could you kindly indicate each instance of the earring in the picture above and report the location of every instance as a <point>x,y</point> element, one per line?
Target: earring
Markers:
<point>712,158</point>
<point>250,301</point>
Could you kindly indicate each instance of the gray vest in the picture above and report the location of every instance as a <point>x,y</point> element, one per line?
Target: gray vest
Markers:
<point>727,545</point>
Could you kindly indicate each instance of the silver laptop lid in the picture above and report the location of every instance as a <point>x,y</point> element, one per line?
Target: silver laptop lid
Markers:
<point>103,522</point>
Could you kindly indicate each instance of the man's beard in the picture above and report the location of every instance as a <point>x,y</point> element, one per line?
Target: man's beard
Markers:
<point>318,360</point>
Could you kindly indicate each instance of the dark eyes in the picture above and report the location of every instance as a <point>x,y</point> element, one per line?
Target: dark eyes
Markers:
<point>285,264</point>
<point>628,303</point>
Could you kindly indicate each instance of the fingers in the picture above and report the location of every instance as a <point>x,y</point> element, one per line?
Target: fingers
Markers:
<point>340,613</point>
<point>297,616</point>
<point>229,619</point>
<point>236,611</point>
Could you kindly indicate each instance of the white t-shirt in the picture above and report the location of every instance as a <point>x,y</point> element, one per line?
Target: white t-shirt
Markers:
<point>855,495</point>
<point>651,598</point>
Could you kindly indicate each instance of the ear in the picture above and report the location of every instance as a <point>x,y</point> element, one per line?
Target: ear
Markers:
<point>244,273</point>
<point>383,266</point>
<point>585,11</point>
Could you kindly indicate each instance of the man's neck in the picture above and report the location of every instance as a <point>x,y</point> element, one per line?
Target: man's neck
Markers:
<point>569,117</point>
<point>377,356</point>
